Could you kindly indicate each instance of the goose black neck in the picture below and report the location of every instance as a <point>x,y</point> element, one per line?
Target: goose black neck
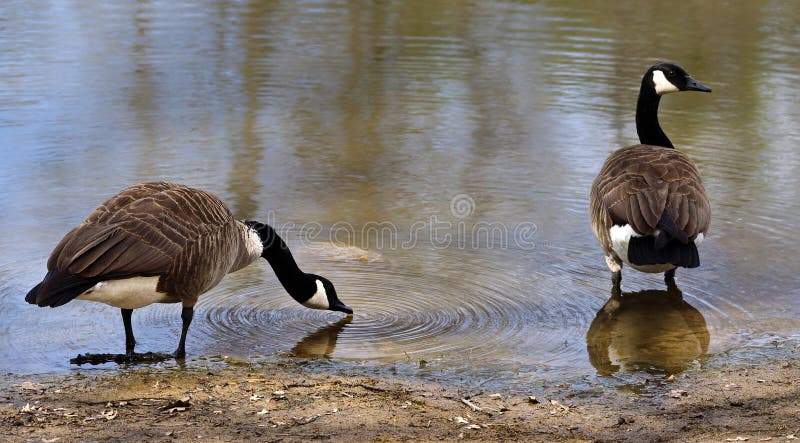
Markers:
<point>277,253</point>
<point>650,132</point>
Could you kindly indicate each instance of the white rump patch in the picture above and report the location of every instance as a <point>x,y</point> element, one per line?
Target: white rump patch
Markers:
<point>663,86</point>
<point>320,298</point>
<point>620,237</point>
<point>128,293</point>
<point>699,239</point>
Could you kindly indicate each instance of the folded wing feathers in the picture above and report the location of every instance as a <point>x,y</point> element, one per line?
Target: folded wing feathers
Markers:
<point>153,229</point>
<point>638,183</point>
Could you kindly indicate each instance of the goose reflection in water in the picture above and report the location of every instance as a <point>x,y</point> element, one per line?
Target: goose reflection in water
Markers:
<point>647,330</point>
<point>320,342</point>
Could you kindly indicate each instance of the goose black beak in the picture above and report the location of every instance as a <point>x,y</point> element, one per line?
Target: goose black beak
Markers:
<point>341,307</point>
<point>694,85</point>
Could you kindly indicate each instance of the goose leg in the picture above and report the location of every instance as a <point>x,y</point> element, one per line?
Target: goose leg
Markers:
<point>616,280</point>
<point>186,315</point>
<point>669,277</point>
<point>672,288</point>
<point>615,265</point>
<point>130,342</point>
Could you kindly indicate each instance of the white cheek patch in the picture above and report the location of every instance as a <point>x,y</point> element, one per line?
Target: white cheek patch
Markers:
<point>320,298</point>
<point>663,86</point>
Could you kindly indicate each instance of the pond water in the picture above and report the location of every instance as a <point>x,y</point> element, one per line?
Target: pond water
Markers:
<point>432,159</point>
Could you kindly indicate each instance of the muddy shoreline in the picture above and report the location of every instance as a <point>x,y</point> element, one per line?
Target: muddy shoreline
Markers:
<point>283,401</point>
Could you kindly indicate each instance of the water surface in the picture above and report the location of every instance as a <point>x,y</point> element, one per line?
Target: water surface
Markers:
<point>432,159</point>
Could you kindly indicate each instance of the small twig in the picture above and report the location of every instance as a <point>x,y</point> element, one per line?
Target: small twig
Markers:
<point>472,405</point>
<point>307,420</point>
<point>301,385</point>
<point>102,402</point>
<point>367,387</point>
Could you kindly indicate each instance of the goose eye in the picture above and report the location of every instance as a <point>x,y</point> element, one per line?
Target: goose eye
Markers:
<point>671,73</point>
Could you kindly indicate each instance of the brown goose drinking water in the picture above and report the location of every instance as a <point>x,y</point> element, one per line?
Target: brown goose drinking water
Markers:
<point>648,205</point>
<point>161,242</point>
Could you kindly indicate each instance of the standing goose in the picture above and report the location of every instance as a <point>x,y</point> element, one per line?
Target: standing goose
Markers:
<point>648,205</point>
<point>161,242</point>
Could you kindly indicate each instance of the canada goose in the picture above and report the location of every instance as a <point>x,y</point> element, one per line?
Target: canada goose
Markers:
<point>648,205</point>
<point>161,242</point>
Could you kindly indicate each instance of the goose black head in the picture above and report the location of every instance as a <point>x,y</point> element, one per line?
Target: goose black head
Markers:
<point>669,77</point>
<point>324,297</point>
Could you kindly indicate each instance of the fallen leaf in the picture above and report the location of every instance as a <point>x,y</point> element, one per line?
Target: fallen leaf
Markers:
<point>255,397</point>
<point>461,420</point>
<point>27,408</point>
<point>730,386</point>
<point>559,405</point>
<point>677,393</point>
<point>532,399</point>
<point>670,378</point>
<point>472,426</point>
<point>737,439</point>
<point>791,437</point>
<point>177,406</point>
<point>261,412</point>
<point>108,414</point>
<point>495,396</point>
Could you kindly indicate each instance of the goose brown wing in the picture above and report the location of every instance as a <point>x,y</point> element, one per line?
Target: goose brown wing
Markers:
<point>140,231</point>
<point>639,183</point>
